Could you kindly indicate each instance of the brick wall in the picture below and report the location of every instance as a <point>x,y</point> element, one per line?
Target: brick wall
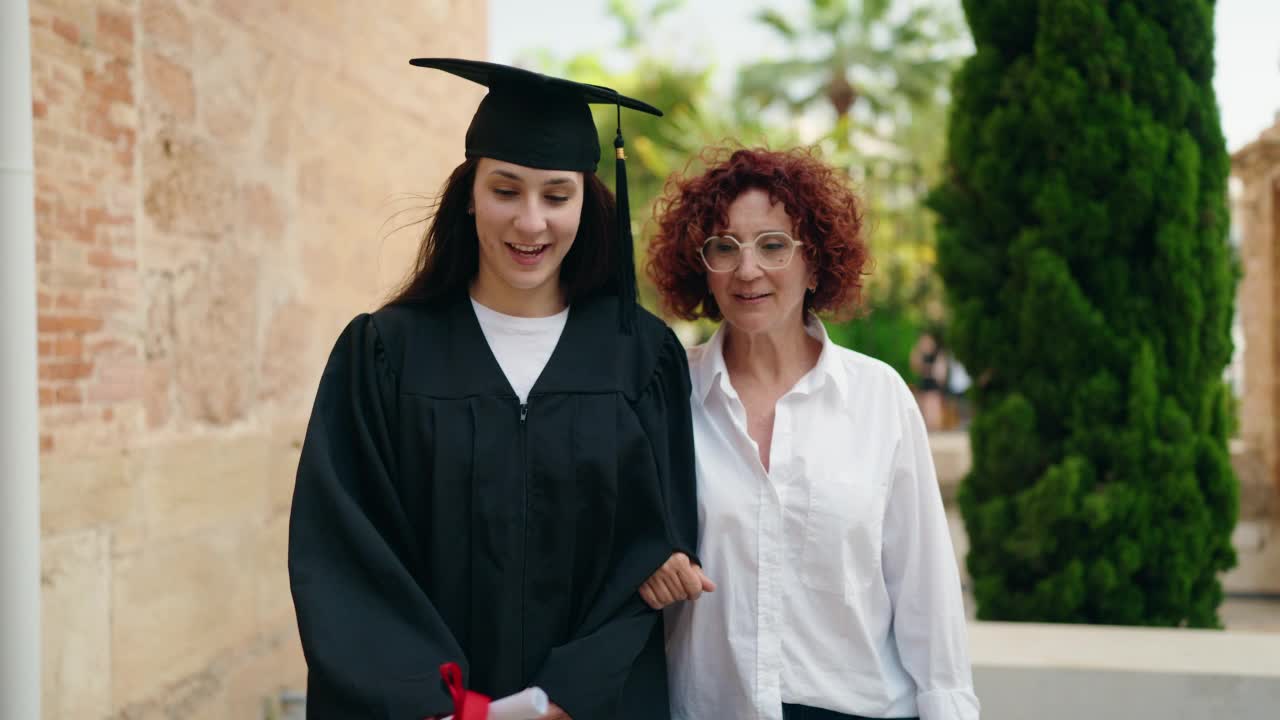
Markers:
<point>211,177</point>
<point>86,135</point>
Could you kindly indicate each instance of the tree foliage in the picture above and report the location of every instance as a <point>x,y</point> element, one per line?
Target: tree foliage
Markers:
<point>1082,243</point>
<point>878,77</point>
<point>890,141</point>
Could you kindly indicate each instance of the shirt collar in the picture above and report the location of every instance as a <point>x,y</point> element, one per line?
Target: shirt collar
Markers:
<point>828,368</point>
<point>709,370</point>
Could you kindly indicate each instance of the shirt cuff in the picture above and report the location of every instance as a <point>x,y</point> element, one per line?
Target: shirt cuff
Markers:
<point>948,705</point>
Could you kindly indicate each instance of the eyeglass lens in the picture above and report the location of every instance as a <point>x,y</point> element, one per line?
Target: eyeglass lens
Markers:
<point>724,252</point>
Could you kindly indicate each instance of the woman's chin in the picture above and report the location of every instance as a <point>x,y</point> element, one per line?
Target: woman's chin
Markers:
<point>528,277</point>
<point>749,321</point>
<point>754,319</point>
<point>526,282</point>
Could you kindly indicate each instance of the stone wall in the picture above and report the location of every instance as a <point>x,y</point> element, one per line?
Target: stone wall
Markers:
<point>212,181</point>
<point>1257,215</point>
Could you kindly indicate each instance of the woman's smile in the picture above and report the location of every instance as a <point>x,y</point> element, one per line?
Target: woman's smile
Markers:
<point>527,254</point>
<point>752,298</point>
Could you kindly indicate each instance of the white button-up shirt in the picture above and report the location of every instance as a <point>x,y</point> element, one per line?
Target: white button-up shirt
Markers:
<point>837,583</point>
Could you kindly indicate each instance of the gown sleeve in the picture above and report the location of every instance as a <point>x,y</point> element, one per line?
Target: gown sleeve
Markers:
<point>588,675</point>
<point>665,413</point>
<point>371,637</point>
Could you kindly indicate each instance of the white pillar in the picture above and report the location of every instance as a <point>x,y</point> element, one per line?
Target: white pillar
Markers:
<point>19,403</point>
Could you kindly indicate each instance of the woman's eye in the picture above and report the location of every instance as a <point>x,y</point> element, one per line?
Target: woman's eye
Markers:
<point>558,199</point>
<point>504,192</point>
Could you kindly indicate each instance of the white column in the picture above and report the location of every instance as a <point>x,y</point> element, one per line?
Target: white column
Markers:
<point>19,404</point>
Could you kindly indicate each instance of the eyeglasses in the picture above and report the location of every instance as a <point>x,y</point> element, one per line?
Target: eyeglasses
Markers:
<point>773,249</point>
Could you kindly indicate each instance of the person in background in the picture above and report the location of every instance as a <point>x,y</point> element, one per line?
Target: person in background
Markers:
<point>930,364</point>
<point>957,392</point>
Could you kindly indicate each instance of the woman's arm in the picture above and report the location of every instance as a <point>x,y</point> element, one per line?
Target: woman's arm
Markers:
<point>922,579</point>
<point>681,576</point>
<point>587,675</point>
<point>372,639</point>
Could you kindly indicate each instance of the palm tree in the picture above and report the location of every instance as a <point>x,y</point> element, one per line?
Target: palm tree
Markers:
<point>868,65</point>
<point>883,73</point>
<point>694,118</point>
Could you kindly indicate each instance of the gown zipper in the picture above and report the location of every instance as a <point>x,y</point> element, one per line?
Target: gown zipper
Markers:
<point>524,525</point>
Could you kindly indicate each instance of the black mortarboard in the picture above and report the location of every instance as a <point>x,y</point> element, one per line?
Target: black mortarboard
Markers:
<point>544,122</point>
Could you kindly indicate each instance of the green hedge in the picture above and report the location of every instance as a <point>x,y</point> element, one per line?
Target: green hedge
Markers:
<point>1082,240</point>
<point>886,334</point>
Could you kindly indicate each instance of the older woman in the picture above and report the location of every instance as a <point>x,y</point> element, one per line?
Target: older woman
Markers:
<point>819,512</point>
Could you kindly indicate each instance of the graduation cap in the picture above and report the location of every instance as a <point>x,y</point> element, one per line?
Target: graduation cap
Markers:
<point>545,122</point>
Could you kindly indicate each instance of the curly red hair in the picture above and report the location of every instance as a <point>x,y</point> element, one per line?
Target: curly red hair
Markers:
<point>818,199</point>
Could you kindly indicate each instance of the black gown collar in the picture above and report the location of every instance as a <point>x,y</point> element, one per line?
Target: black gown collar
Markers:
<point>584,360</point>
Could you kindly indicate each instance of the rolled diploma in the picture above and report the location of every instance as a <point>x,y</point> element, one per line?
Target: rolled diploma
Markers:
<point>527,704</point>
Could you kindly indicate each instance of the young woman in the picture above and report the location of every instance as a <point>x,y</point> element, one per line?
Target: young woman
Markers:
<point>501,455</point>
<point>821,518</point>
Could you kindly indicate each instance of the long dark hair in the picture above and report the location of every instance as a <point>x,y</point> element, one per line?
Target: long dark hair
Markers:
<point>449,255</point>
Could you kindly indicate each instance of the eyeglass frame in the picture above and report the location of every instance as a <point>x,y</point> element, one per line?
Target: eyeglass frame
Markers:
<point>742,248</point>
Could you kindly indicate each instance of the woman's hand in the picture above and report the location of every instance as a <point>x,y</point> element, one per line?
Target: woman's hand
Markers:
<point>677,579</point>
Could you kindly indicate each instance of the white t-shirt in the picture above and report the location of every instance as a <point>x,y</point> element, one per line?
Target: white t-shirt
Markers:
<point>521,345</point>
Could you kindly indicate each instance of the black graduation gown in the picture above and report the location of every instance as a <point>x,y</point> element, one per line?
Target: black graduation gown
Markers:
<point>436,518</point>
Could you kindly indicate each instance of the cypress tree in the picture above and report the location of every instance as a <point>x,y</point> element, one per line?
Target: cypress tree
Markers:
<point>1082,240</point>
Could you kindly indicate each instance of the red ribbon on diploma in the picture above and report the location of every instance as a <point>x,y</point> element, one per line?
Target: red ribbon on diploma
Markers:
<point>467,704</point>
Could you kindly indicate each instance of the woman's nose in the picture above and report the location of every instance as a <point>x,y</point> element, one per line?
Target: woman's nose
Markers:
<point>530,220</point>
<point>748,268</point>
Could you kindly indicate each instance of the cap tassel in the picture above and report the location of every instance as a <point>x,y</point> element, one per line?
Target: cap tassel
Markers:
<point>626,260</point>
